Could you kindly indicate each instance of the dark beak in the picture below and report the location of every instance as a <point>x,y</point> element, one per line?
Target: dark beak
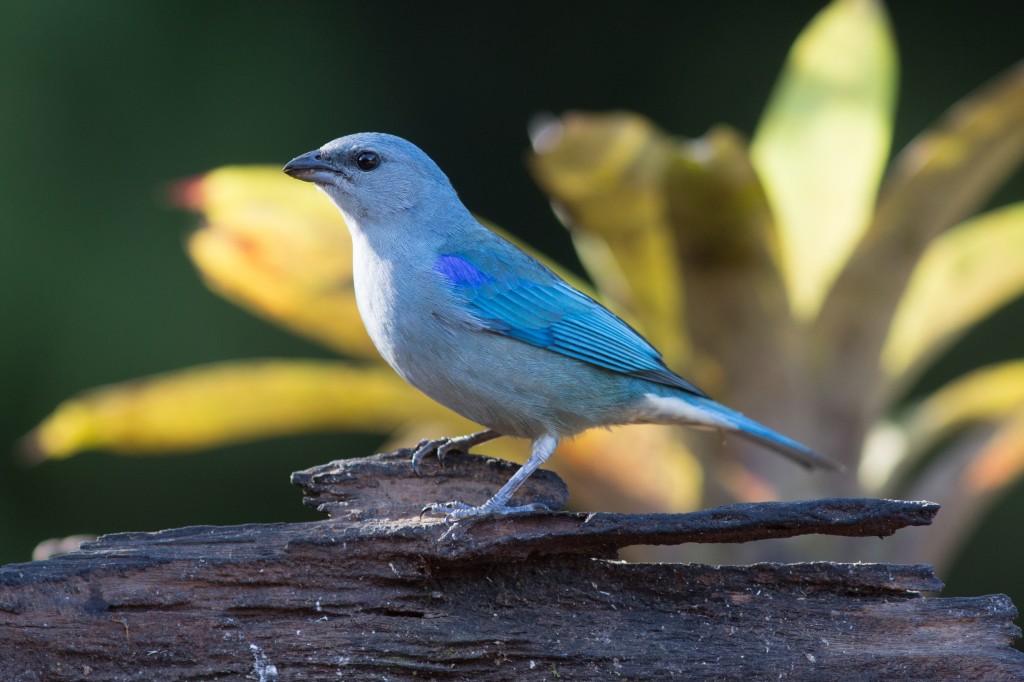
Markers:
<point>311,167</point>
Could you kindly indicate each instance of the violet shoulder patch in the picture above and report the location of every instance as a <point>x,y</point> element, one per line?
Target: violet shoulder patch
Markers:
<point>460,272</point>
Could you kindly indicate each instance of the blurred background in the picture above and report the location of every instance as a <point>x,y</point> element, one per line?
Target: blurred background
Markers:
<point>105,104</point>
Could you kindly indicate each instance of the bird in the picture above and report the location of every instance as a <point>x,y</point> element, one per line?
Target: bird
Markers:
<point>487,330</point>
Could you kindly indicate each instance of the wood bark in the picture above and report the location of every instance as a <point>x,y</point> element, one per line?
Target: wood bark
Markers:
<point>376,593</point>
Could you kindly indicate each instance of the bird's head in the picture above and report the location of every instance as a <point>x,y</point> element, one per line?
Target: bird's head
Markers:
<point>370,176</point>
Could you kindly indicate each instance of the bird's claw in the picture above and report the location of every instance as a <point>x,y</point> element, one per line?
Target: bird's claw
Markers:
<point>455,511</point>
<point>445,508</point>
<point>442,446</point>
<point>438,446</point>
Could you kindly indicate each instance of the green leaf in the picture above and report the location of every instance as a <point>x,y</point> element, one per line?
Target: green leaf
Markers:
<point>823,141</point>
<point>965,275</point>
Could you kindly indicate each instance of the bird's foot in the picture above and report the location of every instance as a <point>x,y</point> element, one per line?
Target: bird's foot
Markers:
<point>438,446</point>
<point>460,511</point>
<point>442,446</point>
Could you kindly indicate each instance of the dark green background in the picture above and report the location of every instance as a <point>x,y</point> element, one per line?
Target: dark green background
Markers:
<point>103,103</point>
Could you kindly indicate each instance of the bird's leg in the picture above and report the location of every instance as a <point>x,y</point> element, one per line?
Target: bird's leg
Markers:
<point>442,446</point>
<point>498,505</point>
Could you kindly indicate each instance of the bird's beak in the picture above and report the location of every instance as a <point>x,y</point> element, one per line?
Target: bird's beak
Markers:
<point>311,167</point>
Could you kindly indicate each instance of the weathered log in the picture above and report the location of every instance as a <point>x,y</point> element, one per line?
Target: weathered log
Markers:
<point>375,592</point>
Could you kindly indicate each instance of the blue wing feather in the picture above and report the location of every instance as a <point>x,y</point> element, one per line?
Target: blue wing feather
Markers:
<point>551,314</point>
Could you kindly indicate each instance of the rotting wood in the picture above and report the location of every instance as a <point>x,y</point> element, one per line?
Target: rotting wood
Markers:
<point>374,593</point>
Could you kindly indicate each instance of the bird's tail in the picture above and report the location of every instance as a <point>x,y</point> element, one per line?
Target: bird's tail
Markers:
<point>704,412</point>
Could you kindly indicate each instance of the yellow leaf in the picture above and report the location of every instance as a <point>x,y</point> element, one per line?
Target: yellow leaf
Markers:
<point>737,309</point>
<point>823,141</point>
<point>717,206</point>
<point>938,180</point>
<point>986,394</point>
<point>965,275</point>
<point>605,173</point>
<point>258,195</point>
<point>966,475</point>
<point>229,402</point>
<point>278,248</point>
<point>951,169</point>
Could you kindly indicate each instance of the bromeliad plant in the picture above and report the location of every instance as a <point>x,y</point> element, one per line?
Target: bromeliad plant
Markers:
<point>795,278</point>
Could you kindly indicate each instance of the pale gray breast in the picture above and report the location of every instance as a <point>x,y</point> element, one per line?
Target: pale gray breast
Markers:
<point>493,380</point>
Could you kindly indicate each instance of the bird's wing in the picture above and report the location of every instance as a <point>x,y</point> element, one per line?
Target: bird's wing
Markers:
<point>546,312</point>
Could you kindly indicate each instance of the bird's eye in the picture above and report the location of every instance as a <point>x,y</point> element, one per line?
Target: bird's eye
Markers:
<point>367,160</point>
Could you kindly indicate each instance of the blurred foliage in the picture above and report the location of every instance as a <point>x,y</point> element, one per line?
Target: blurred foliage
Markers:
<point>794,277</point>
<point>823,141</point>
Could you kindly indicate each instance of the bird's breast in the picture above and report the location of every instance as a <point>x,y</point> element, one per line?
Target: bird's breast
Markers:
<point>398,302</point>
<point>422,331</point>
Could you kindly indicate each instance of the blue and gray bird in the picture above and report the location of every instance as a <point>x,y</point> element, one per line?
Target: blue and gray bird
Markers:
<point>488,331</point>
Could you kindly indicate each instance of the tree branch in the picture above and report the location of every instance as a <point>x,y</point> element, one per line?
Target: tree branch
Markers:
<point>374,593</point>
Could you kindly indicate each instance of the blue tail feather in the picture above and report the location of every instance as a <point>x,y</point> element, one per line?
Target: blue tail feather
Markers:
<point>759,433</point>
